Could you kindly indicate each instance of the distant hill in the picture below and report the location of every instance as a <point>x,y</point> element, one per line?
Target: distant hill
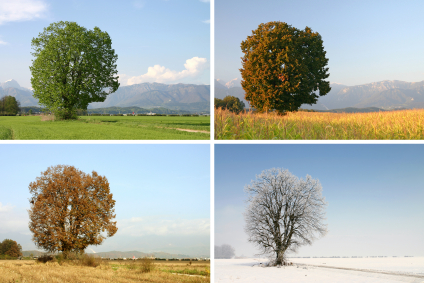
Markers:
<point>137,254</point>
<point>184,97</point>
<point>150,95</point>
<point>119,254</point>
<point>384,95</point>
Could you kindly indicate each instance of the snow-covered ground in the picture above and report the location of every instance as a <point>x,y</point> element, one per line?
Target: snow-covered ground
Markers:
<point>317,270</point>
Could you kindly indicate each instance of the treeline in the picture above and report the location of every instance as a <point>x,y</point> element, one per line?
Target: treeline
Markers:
<point>10,249</point>
<point>224,251</point>
<point>9,106</point>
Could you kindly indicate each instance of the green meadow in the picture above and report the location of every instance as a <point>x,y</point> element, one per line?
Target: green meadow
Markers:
<point>105,128</point>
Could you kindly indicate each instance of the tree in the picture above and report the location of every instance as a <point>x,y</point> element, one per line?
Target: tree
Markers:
<point>224,251</point>
<point>283,67</point>
<point>10,248</point>
<point>232,103</point>
<point>283,212</point>
<point>9,105</point>
<point>73,67</point>
<point>70,209</point>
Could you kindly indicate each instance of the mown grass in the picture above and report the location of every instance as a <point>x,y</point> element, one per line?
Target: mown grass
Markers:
<point>391,125</point>
<point>105,128</point>
<point>110,271</point>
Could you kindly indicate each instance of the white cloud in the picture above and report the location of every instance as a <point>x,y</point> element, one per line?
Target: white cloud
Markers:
<point>5,208</point>
<point>160,74</point>
<point>206,21</point>
<point>163,226</point>
<point>205,1</point>
<point>123,79</point>
<point>21,10</point>
<point>3,42</point>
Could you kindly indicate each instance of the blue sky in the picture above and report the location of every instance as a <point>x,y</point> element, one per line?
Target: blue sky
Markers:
<point>374,195</point>
<point>170,37</point>
<point>162,192</point>
<point>366,41</point>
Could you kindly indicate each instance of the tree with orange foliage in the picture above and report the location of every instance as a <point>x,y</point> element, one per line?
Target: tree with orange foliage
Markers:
<point>70,209</point>
<point>283,67</point>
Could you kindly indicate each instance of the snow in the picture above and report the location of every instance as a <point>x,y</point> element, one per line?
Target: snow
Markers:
<point>355,270</point>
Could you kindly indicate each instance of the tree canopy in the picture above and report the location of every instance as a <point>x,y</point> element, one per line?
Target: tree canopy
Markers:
<point>284,212</point>
<point>283,67</point>
<point>70,209</point>
<point>73,67</point>
<point>232,103</point>
<point>10,248</point>
<point>9,105</point>
<point>224,251</point>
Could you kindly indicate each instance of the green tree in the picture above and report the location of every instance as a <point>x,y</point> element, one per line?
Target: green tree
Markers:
<point>73,67</point>
<point>283,67</point>
<point>232,103</point>
<point>9,105</point>
<point>10,248</point>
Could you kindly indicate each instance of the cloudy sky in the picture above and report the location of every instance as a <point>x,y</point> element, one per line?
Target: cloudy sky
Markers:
<point>165,41</point>
<point>366,41</point>
<point>162,192</point>
<point>374,194</point>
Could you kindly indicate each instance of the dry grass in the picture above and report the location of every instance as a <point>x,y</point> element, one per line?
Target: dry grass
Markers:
<point>110,271</point>
<point>391,125</point>
<point>47,117</point>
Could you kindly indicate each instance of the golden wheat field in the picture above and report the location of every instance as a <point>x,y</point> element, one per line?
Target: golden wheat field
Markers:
<point>108,271</point>
<point>390,125</point>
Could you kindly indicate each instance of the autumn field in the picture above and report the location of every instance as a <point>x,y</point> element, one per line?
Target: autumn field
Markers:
<point>390,125</point>
<point>105,128</point>
<point>108,271</point>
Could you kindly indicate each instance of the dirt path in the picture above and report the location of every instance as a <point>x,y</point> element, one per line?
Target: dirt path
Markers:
<point>192,131</point>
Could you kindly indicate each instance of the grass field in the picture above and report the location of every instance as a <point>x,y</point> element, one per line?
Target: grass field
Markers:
<point>109,271</point>
<point>105,128</point>
<point>390,125</point>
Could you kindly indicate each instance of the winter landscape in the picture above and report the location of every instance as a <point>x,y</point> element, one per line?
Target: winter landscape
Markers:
<point>355,218</point>
<point>321,270</point>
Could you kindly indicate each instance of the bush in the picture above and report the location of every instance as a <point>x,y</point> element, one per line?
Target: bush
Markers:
<point>45,258</point>
<point>147,265</point>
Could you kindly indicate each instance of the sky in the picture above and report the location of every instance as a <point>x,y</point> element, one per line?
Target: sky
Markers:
<point>365,41</point>
<point>374,195</point>
<point>162,192</point>
<point>164,41</point>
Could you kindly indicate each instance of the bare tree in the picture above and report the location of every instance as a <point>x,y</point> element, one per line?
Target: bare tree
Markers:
<point>284,212</point>
<point>224,251</point>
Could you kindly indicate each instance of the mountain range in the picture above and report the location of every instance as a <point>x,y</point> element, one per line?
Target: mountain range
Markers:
<point>386,95</point>
<point>119,254</point>
<point>190,97</point>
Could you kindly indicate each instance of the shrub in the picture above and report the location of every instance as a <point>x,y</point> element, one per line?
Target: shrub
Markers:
<point>45,258</point>
<point>147,265</point>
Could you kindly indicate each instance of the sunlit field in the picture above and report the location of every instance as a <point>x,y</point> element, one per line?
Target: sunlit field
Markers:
<point>390,125</point>
<point>105,128</point>
<point>108,271</point>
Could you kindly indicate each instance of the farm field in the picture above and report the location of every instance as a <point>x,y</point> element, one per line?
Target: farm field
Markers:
<point>390,125</point>
<point>105,128</point>
<point>109,271</point>
<point>340,270</point>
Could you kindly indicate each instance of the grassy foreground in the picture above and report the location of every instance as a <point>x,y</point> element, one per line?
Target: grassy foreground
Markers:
<point>105,128</point>
<point>391,125</point>
<point>109,271</point>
